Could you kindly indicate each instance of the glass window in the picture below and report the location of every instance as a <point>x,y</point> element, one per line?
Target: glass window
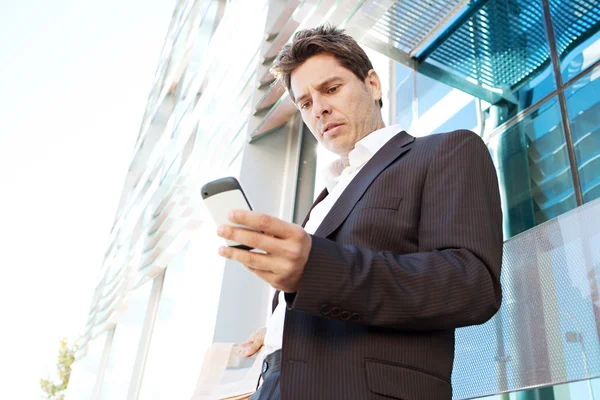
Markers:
<point>85,371</point>
<point>125,345</point>
<point>185,321</point>
<point>533,170</point>
<point>595,384</point>
<point>583,104</point>
<point>429,92</point>
<point>576,33</point>
<point>443,108</point>
<point>405,87</point>
<point>440,107</point>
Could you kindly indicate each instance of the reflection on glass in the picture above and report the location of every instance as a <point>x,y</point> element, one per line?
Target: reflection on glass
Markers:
<point>583,104</point>
<point>533,169</point>
<point>576,33</point>
<point>125,345</point>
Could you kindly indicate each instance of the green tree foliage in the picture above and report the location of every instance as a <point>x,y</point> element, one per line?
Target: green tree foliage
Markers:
<point>55,390</point>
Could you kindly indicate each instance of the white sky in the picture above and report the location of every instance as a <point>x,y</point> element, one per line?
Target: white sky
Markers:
<point>74,79</point>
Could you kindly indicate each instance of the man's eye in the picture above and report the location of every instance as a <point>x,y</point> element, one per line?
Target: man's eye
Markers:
<point>305,105</point>
<point>332,89</point>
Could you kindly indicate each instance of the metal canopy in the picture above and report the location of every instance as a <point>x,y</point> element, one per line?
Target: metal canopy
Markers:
<point>411,24</point>
<point>487,48</point>
<point>574,21</point>
<point>502,44</point>
<point>439,40</point>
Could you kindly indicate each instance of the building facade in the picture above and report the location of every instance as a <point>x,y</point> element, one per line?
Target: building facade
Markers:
<point>524,74</point>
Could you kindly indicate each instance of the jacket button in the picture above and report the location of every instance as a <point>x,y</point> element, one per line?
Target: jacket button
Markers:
<point>325,309</point>
<point>265,367</point>
<point>355,317</point>
<point>346,315</point>
<point>335,312</point>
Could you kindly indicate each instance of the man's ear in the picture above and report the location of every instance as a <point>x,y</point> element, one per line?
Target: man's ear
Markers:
<point>374,85</point>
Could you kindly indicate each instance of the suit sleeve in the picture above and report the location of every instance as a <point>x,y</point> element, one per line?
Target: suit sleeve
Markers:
<point>454,279</point>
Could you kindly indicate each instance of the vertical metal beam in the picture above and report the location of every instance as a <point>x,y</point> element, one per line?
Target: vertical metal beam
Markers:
<point>562,102</point>
<point>415,93</point>
<point>142,354</point>
<point>305,182</point>
<point>103,363</point>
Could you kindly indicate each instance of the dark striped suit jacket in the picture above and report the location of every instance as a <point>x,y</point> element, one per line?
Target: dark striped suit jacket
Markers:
<point>410,251</point>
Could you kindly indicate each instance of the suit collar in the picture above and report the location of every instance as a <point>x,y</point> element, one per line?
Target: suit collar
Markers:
<point>391,151</point>
<point>363,151</point>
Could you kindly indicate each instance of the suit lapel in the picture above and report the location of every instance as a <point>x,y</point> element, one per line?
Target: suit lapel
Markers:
<point>394,148</point>
<point>319,199</point>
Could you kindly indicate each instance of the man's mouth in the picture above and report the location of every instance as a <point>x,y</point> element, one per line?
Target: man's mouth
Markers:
<point>330,126</point>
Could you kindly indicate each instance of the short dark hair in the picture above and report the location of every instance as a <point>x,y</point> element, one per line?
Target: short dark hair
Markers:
<point>325,39</point>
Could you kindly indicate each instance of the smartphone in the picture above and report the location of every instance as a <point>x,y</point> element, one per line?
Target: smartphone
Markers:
<point>220,197</point>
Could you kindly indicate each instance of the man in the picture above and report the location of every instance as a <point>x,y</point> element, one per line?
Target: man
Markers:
<point>403,247</point>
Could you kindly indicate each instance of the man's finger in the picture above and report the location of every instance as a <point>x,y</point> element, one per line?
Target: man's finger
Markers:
<point>253,239</point>
<point>257,261</point>
<point>263,222</point>
<point>256,345</point>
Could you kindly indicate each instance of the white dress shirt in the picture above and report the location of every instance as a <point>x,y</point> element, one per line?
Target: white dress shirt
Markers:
<point>337,177</point>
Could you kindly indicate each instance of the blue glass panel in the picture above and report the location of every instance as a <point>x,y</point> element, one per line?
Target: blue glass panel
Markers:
<point>465,118</point>
<point>429,92</point>
<point>402,73</point>
<point>534,170</point>
<point>583,104</point>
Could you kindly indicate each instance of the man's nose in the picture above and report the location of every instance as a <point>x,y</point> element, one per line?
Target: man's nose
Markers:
<point>320,108</point>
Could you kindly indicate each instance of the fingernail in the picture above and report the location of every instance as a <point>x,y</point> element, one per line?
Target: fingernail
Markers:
<point>231,215</point>
<point>221,230</point>
<point>222,250</point>
<point>245,344</point>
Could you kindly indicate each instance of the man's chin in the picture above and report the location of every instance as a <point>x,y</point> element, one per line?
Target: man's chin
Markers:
<point>339,150</point>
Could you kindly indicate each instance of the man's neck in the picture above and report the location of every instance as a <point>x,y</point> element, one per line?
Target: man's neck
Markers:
<point>346,157</point>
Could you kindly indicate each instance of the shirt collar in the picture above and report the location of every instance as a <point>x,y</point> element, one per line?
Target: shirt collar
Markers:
<point>363,151</point>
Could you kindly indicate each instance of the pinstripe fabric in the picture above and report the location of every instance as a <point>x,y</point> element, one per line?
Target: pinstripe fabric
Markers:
<point>410,251</point>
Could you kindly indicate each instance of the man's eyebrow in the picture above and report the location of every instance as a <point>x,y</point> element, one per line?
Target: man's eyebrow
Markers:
<point>325,83</point>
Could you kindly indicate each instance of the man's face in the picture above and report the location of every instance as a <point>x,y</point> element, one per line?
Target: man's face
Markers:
<point>338,108</point>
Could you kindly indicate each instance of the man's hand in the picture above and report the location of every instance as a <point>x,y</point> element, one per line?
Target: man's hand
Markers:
<point>253,344</point>
<point>286,245</point>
